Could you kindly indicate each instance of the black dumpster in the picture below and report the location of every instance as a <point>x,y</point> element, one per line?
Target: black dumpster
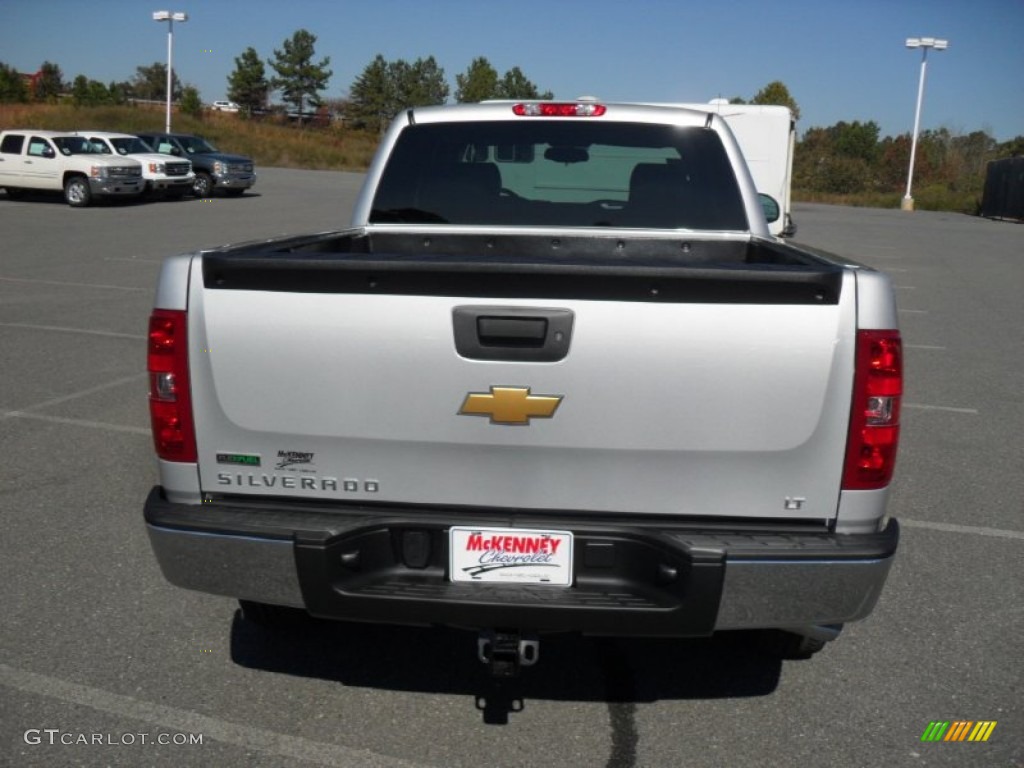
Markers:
<point>1004,189</point>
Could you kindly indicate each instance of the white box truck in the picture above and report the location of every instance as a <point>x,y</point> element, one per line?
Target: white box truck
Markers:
<point>767,137</point>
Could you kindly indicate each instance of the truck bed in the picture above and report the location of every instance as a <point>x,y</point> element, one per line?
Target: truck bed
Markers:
<point>635,268</point>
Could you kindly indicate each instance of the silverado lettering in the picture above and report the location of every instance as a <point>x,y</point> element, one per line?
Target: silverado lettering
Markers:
<point>270,481</point>
<point>612,260</point>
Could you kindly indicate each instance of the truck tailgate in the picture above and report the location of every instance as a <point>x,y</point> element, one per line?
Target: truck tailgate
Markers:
<point>326,393</point>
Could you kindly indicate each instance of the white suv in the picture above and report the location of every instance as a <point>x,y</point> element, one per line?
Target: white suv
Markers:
<point>170,176</point>
<point>225,106</point>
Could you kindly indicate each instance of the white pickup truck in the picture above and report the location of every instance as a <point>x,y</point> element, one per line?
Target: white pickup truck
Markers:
<point>168,176</point>
<point>59,161</point>
<point>556,376</point>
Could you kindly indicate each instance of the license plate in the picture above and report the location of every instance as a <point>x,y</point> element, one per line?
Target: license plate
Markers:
<point>510,556</point>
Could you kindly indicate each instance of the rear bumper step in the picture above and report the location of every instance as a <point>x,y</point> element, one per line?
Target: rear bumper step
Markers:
<point>389,565</point>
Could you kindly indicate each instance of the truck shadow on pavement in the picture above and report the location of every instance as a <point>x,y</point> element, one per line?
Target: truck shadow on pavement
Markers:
<point>619,671</point>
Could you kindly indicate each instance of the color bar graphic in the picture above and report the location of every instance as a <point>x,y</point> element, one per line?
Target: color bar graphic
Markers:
<point>958,730</point>
<point>935,731</point>
<point>982,730</point>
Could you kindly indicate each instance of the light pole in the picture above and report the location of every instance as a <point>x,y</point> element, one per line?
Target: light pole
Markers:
<point>924,43</point>
<point>170,17</point>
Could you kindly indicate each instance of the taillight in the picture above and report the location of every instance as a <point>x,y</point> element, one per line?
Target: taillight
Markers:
<point>170,403</point>
<point>875,418</point>
<point>562,109</point>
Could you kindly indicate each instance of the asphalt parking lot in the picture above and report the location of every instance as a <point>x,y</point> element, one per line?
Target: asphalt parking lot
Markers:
<point>96,647</point>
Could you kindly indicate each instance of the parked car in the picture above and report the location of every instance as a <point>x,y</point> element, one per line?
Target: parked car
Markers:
<point>171,177</point>
<point>214,169</point>
<point>60,161</point>
<point>225,106</point>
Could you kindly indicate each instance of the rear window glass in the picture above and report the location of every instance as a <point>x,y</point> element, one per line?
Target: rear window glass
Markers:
<point>12,144</point>
<point>564,173</point>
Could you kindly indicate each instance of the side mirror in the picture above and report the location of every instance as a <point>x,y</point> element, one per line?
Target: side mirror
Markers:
<point>48,152</point>
<point>770,206</point>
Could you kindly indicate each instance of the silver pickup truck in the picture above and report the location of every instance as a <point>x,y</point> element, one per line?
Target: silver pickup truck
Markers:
<point>556,376</point>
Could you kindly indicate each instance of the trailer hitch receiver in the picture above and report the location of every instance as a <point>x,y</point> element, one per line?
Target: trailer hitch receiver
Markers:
<point>505,651</point>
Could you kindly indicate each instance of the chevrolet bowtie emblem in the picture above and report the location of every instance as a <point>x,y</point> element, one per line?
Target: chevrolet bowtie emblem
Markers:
<point>510,405</point>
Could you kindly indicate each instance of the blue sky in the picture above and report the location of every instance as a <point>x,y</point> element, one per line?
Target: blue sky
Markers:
<point>841,60</point>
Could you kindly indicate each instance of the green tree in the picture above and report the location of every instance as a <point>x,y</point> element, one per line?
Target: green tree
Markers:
<point>150,83</point>
<point>420,84</point>
<point>837,160</point>
<point>481,82</point>
<point>248,85</point>
<point>298,78</point>
<point>478,83</point>
<point>856,139</point>
<point>190,103</point>
<point>120,93</point>
<point>12,86</point>
<point>843,175</point>
<point>776,92</point>
<point>386,88</point>
<point>515,85</point>
<point>373,97</point>
<point>810,158</point>
<point>893,162</point>
<point>968,155</point>
<point>50,83</point>
<point>930,162</point>
<point>80,91</point>
<point>1012,148</point>
<point>89,93</point>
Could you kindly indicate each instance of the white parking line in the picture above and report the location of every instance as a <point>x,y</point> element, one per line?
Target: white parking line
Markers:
<point>923,346</point>
<point>913,311</point>
<point>76,395</point>
<point>973,530</point>
<point>948,409</point>
<point>140,261</point>
<point>77,422</point>
<point>172,719</point>
<point>110,334</point>
<point>74,285</point>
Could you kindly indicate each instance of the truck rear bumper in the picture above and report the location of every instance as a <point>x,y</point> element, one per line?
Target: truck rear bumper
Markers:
<point>650,578</point>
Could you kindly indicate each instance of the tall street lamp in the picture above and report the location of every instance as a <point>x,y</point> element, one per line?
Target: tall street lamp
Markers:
<point>924,43</point>
<point>170,17</point>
